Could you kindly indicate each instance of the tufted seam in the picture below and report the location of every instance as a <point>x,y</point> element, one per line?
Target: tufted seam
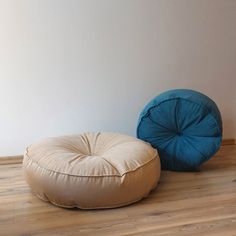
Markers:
<point>119,175</point>
<point>147,114</point>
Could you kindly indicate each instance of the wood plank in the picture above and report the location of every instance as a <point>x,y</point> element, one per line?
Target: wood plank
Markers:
<point>184,203</point>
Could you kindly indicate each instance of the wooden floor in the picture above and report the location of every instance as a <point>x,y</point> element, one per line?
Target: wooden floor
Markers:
<point>199,203</point>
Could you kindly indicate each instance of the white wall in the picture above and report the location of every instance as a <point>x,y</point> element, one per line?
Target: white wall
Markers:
<point>69,66</point>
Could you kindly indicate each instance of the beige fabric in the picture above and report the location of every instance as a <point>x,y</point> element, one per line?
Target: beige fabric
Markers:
<point>92,170</point>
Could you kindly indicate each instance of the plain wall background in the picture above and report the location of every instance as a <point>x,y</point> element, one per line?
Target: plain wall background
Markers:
<point>72,66</point>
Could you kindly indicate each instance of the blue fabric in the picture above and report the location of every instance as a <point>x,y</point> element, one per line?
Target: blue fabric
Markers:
<point>185,127</point>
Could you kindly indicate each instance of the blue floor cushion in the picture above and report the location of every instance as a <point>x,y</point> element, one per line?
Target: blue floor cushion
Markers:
<point>185,127</point>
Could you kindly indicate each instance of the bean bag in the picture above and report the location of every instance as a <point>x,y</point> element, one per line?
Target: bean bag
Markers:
<point>184,125</point>
<point>91,170</point>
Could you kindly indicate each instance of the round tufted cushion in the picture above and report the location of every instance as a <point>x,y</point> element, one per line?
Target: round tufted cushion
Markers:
<point>91,170</point>
<point>184,125</point>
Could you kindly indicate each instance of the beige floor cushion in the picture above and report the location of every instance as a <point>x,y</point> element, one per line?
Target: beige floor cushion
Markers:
<point>91,170</point>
